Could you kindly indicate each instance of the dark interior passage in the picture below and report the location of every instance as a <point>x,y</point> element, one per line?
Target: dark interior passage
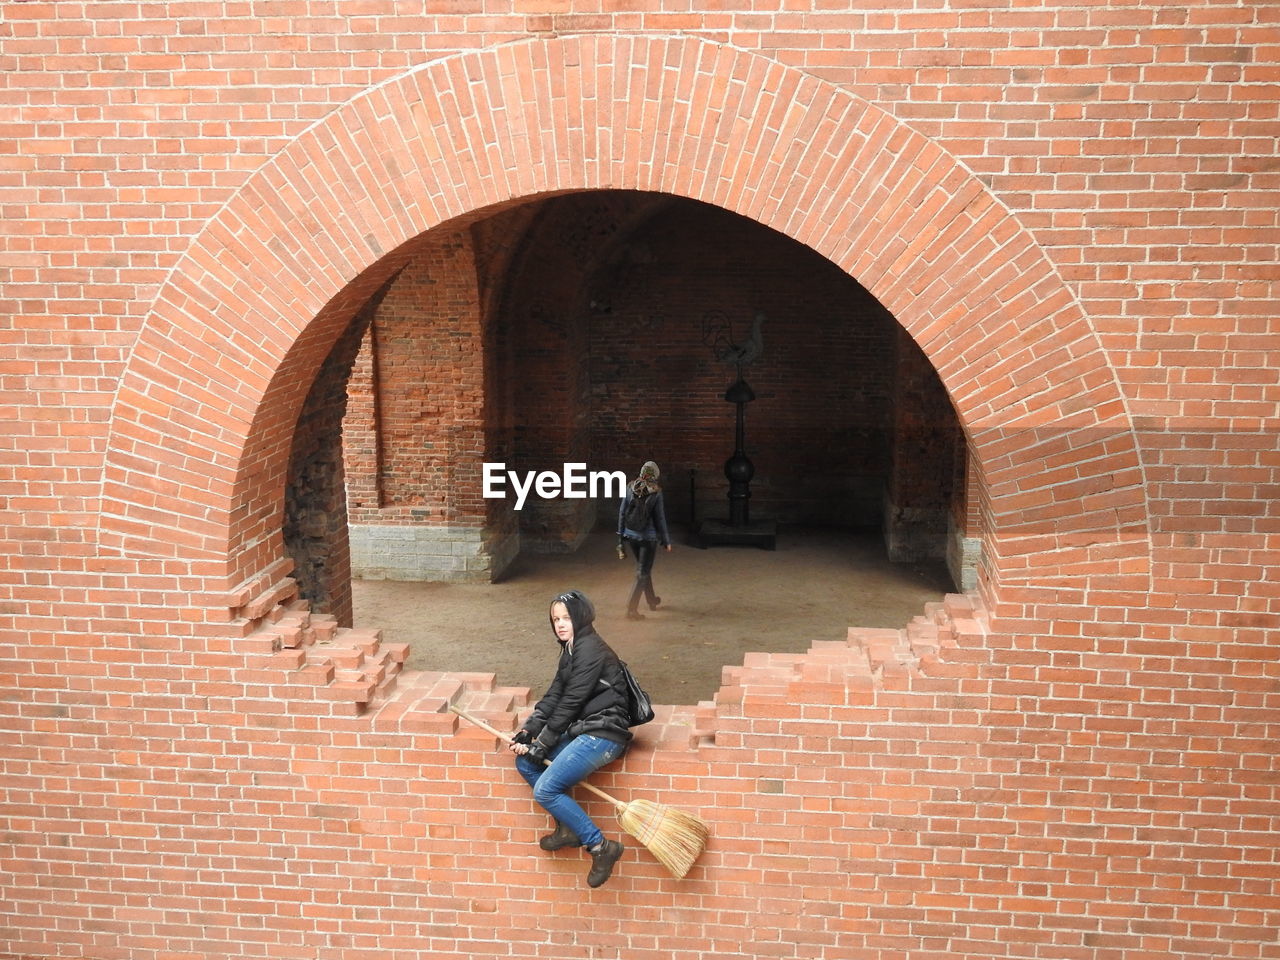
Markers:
<point>604,328</point>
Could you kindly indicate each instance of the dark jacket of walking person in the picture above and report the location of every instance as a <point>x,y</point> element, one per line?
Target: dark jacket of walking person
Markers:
<point>643,532</point>
<point>579,725</point>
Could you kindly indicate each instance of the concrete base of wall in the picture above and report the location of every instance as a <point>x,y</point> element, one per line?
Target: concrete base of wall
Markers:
<point>453,554</point>
<point>963,556</point>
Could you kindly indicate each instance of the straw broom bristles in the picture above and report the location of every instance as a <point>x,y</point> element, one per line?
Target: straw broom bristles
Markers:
<point>674,837</point>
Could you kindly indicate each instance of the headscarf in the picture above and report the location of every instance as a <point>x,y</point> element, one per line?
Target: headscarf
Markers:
<point>647,482</point>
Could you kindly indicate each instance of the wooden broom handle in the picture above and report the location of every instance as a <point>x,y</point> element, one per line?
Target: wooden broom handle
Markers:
<point>502,736</point>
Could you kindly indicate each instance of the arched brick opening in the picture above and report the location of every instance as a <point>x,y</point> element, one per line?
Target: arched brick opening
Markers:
<point>199,444</point>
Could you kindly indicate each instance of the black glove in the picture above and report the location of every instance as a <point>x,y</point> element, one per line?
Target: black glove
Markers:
<point>537,752</point>
<point>542,744</point>
<point>522,736</point>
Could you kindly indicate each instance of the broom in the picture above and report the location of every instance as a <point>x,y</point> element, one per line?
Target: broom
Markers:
<point>674,837</point>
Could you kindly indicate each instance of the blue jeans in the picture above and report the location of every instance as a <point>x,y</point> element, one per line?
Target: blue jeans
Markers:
<point>571,761</point>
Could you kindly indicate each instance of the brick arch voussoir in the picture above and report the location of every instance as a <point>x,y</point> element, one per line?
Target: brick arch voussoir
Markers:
<point>195,463</point>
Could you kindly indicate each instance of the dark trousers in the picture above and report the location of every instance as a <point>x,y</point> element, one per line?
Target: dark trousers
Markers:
<point>645,551</point>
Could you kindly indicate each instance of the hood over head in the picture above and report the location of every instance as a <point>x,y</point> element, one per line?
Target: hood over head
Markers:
<point>581,611</point>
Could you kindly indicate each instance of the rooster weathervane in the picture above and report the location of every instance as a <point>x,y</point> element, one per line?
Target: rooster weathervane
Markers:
<point>717,333</point>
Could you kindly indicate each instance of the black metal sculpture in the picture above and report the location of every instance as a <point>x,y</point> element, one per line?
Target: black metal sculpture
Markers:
<point>738,469</point>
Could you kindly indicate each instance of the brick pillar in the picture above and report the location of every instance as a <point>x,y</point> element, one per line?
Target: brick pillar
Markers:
<point>315,512</point>
<point>419,434</point>
<point>964,540</point>
<point>362,446</point>
<point>918,493</point>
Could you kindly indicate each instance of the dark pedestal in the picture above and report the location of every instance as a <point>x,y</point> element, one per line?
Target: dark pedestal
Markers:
<point>754,533</point>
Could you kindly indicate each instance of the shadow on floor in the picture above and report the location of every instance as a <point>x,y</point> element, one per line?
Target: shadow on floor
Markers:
<point>718,605</point>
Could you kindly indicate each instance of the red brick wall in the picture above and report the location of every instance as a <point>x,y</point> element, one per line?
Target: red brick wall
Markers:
<point>428,347</point>
<point>1071,210</point>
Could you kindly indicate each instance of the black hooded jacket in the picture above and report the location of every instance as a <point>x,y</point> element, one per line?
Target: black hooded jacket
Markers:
<point>589,692</point>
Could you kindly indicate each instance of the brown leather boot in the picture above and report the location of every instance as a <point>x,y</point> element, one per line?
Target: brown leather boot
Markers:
<point>603,858</point>
<point>561,838</point>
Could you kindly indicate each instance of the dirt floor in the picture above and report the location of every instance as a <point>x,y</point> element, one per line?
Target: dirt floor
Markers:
<point>717,605</point>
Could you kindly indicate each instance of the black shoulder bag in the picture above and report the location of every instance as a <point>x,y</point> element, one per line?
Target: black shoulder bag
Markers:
<point>639,706</point>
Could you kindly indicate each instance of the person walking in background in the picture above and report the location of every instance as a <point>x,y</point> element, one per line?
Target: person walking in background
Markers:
<point>580,724</point>
<point>642,522</point>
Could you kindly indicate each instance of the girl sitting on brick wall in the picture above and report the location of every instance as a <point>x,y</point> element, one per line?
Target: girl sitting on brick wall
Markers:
<point>579,725</point>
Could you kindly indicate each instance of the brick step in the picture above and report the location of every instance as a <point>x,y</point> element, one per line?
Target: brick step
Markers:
<point>673,728</point>
<point>381,669</point>
<point>314,659</point>
<point>287,631</point>
<point>961,606</point>
<point>889,652</point>
<point>834,661</point>
<point>966,633</point>
<point>324,626</point>
<point>520,697</point>
<point>926,638</point>
<point>759,670</point>
<point>479,695</point>
<point>355,671</point>
<point>417,703</point>
<point>421,702</point>
<point>365,669</point>
<point>703,728</point>
<point>942,644</point>
<point>487,703</point>
<point>271,603</point>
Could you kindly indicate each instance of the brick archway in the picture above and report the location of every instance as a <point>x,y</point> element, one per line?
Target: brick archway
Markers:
<point>199,442</point>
